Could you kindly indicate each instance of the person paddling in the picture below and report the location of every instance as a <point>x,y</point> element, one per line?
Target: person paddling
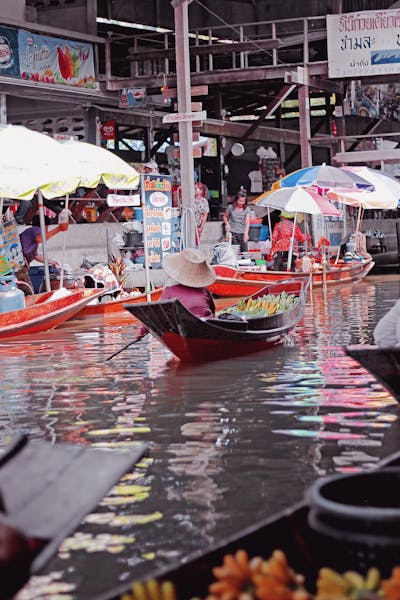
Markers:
<point>189,274</point>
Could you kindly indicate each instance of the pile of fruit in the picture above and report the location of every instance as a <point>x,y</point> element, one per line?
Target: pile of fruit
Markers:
<point>263,305</point>
<point>242,578</point>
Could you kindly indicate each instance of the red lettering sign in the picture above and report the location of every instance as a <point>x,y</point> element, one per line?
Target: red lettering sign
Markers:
<point>108,130</point>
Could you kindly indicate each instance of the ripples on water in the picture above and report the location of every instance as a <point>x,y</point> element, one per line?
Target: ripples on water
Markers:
<point>228,443</point>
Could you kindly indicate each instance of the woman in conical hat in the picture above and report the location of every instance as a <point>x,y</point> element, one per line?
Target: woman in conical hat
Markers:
<point>188,275</point>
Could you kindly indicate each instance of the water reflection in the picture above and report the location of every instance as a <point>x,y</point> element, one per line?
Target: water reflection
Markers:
<point>228,442</point>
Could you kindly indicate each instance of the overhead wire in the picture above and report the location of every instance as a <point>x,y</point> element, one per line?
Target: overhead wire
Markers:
<point>237,31</point>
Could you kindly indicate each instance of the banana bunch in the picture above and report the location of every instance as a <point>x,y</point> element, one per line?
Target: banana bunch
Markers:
<point>266,305</point>
<point>351,585</point>
<point>151,590</point>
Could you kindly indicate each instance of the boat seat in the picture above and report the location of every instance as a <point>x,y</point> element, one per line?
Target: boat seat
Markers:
<point>237,325</point>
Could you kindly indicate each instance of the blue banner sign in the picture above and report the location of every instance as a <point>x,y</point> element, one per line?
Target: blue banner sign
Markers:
<point>157,198</point>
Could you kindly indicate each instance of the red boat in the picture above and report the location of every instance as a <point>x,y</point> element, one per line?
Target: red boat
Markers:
<point>194,340</point>
<point>233,282</point>
<point>115,308</point>
<point>42,313</point>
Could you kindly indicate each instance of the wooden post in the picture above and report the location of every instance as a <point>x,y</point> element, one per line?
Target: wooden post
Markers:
<point>305,127</point>
<point>184,106</point>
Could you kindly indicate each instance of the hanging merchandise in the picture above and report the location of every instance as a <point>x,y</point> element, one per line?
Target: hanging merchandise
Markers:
<point>90,213</point>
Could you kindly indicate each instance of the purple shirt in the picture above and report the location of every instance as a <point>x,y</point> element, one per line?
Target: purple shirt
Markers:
<point>29,243</point>
<point>197,300</point>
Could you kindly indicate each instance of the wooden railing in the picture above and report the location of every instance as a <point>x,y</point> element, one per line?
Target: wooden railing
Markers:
<point>256,44</point>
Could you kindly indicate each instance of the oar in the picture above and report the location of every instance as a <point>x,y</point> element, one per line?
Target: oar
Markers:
<point>140,337</point>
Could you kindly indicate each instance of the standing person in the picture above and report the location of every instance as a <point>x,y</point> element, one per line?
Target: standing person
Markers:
<point>282,238</point>
<point>30,239</point>
<point>237,221</point>
<point>201,206</point>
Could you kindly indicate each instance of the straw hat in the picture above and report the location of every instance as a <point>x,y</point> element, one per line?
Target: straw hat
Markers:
<point>190,268</point>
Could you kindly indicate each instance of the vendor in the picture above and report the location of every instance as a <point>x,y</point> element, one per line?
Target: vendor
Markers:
<point>30,239</point>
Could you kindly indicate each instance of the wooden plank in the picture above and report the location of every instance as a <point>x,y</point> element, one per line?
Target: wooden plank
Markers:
<point>195,90</point>
<point>195,137</point>
<point>48,489</point>
<point>194,106</point>
<point>197,153</point>
<point>369,156</point>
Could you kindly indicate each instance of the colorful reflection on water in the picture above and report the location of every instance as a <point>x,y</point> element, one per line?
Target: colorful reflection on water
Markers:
<point>229,443</point>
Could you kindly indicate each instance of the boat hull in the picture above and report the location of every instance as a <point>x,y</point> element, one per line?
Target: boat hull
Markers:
<point>232,282</point>
<point>195,340</point>
<point>383,363</point>
<point>115,307</point>
<point>306,550</point>
<point>44,314</point>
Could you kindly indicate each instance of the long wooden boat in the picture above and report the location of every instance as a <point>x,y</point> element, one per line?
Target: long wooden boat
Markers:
<point>235,282</point>
<point>192,339</point>
<point>42,313</point>
<point>115,307</point>
<point>46,491</point>
<point>383,363</point>
<point>307,551</point>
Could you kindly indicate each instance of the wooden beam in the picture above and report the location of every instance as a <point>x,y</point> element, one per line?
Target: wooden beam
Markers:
<point>210,126</point>
<point>222,76</point>
<point>206,49</point>
<point>369,156</point>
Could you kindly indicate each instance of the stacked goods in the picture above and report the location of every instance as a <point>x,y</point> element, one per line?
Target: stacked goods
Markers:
<point>244,578</point>
<point>263,306</point>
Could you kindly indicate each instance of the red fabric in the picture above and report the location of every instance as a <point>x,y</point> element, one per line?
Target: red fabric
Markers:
<point>282,235</point>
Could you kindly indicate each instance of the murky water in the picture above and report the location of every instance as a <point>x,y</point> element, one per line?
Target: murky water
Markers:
<point>228,443</point>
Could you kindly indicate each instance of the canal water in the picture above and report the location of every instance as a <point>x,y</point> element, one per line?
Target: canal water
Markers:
<point>229,443</point>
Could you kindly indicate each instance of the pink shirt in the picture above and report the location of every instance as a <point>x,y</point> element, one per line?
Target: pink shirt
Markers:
<point>198,300</point>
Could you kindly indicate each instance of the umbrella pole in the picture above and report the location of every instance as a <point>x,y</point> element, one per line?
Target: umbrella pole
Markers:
<point>63,244</point>
<point>289,262</point>
<point>1,208</point>
<point>44,246</point>
<point>269,223</point>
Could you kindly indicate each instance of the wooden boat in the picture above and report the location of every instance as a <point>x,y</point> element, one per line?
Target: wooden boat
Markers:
<point>114,307</point>
<point>234,282</point>
<point>42,313</point>
<point>192,339</point>
<point>383,363</point>
<point>307,551</point>
<point>47,489</point>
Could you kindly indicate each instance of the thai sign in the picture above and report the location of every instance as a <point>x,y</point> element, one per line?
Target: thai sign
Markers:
<point>157,217</point>
<point>45,59</point>
<point>10,245</point>
<point>363,43</point>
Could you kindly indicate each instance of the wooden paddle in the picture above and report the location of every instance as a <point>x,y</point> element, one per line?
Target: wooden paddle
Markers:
<point>140,337</point>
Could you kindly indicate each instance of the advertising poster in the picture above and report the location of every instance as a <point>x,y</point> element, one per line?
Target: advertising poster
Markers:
<point>10,245</point>
<point>157,198</point>
<point>54,60</point>
<point>132,97</point>
<point>9,60</point>
<point>363,43</point>
<point>378,101</point>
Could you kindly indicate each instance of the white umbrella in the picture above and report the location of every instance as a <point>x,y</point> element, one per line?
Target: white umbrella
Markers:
<point>99,165</point>
<point>294,200</point>
<point>30,161</point>
<point>386,195</point>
